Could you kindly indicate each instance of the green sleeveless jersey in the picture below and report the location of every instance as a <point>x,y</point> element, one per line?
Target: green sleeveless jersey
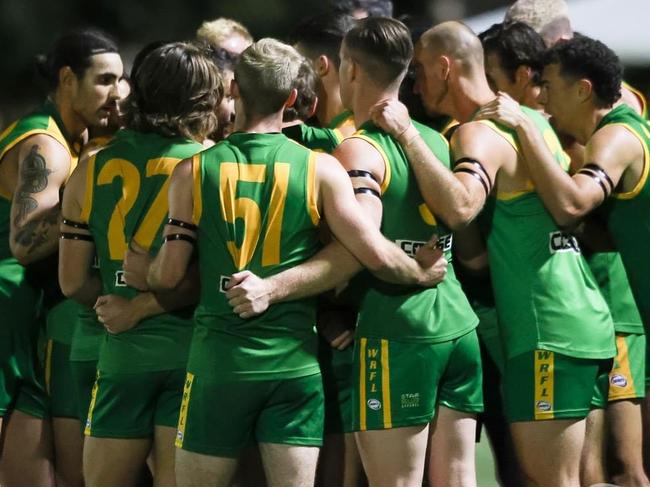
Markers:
<point>255,205</point>
<point>405,313</point>
<point>545,294</point>
<point>628,213</point>
<point>314,138</point>
<point>45,120</point>
<point>126,199</point>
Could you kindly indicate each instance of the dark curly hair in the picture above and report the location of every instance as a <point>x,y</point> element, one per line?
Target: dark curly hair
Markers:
<point>177,88</point>
<point>516,44</point>
<point>586,58</point>
<point>305,84</point>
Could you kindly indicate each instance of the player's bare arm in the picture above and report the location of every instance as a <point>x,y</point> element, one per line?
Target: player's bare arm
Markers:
<point>456,197</point>
<point>356,231</point>
<point>77,277</point>
<point>170,266</point>
<point>43,167</point>
<point>607,156</point>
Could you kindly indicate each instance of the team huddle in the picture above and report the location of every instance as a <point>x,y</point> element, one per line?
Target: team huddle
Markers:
<point>233,266</point>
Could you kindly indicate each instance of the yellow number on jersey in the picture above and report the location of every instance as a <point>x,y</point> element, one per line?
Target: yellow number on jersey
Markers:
<point>247,209</point>
<point>130,176</point>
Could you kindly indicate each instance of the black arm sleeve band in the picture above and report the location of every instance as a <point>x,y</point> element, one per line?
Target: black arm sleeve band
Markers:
<point>182,224</point>
<point>179,236</point>
<point>601,172</point>
<point>596,177</point>
<point>358,173</point>
<point>371,191</point>
<point>74,224</point>
<point>479,165</point>
<point>477,175</point>
<point>76,236</point>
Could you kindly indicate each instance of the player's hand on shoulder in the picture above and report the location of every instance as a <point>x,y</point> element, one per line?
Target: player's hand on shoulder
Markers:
<point>116,313</point>
<point>503,109</point>
<point>391,116</point>
<point>136,267</point>
<point>433,262</point>
<point>248,294</point>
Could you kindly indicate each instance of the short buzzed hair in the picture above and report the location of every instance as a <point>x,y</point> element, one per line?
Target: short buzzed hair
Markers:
<point>456,40</point>
<point>382,47</point>
<point>323,34</point>
<point>215,32</point>
<point>305,84</point>
<point>266,74</point>
<point>536,13</point>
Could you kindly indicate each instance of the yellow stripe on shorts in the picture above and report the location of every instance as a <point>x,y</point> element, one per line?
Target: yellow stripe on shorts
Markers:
<point>362,384</point>
<point>93,400</point>
<point>385,385</point>
<point>182,418</point>
<point>48,364</point>
<point>544,384</point>
<point>621,380</point>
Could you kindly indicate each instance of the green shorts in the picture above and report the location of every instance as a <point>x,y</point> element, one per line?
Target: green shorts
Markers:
<point>58,381</point>
<point>626,379</point>
<point>221,418</point>
<point>84,374</point>
<point>337,369</point>
<point>541,385</point>
<point>130,405</point>
<point>401,384</point>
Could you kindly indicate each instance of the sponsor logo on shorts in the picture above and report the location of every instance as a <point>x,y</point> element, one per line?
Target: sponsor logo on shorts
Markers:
<point>374,404</point>
<point>119,279</point>
<point>562,242</point>
<point>411,400</point>
<point>410,247</point>
<point>618,380</point>
<point>223,282</point>
<point>543,406</point>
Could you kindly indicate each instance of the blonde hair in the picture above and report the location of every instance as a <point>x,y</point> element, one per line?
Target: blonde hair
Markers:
<point>537,13</point>
<point>215,32</point>
<point>266,74</point>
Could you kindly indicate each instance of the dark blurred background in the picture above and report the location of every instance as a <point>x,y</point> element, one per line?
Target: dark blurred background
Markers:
<point>28,27</point>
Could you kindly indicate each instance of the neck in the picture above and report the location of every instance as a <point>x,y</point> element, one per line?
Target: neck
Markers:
<point>329,106</point>
<point>469,95</point>
<point>588,123</point>
<point>368,98</point>
<point>260,124</point>
<point>74,126</point>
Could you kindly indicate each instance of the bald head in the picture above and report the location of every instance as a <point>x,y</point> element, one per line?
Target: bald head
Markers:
<point>455,40</point>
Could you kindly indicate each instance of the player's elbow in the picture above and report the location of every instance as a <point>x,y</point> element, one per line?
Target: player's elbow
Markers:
<point>166,280</point>
<point>459,218</point>
<point>568,217</point>
<point>21,253</point>
<point>70,287</point>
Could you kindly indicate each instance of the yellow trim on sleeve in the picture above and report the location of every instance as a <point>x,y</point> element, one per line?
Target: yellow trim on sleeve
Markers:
<point>362,384</point>
<point>197,207</point>
<point>387,172</point>
<point>88,194</point>
<point>628,195</point>
<point>640,96</point>
<point>385,385</point>
<point>312,201</point>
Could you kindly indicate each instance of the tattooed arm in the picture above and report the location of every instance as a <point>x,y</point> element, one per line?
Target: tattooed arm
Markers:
<point>43,168</point>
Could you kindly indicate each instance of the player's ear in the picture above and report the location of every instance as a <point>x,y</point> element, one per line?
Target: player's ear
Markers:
<point>322,65</point>
<point>584,89</point>
<point>234,89</point>
<point>444,67</point>
<point>312,108</point>
<point>291,98</point>
<point>523,75</point>
<point>67,78</point>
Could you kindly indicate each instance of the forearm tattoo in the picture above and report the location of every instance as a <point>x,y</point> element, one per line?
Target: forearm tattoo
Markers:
<point>33,179</point>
